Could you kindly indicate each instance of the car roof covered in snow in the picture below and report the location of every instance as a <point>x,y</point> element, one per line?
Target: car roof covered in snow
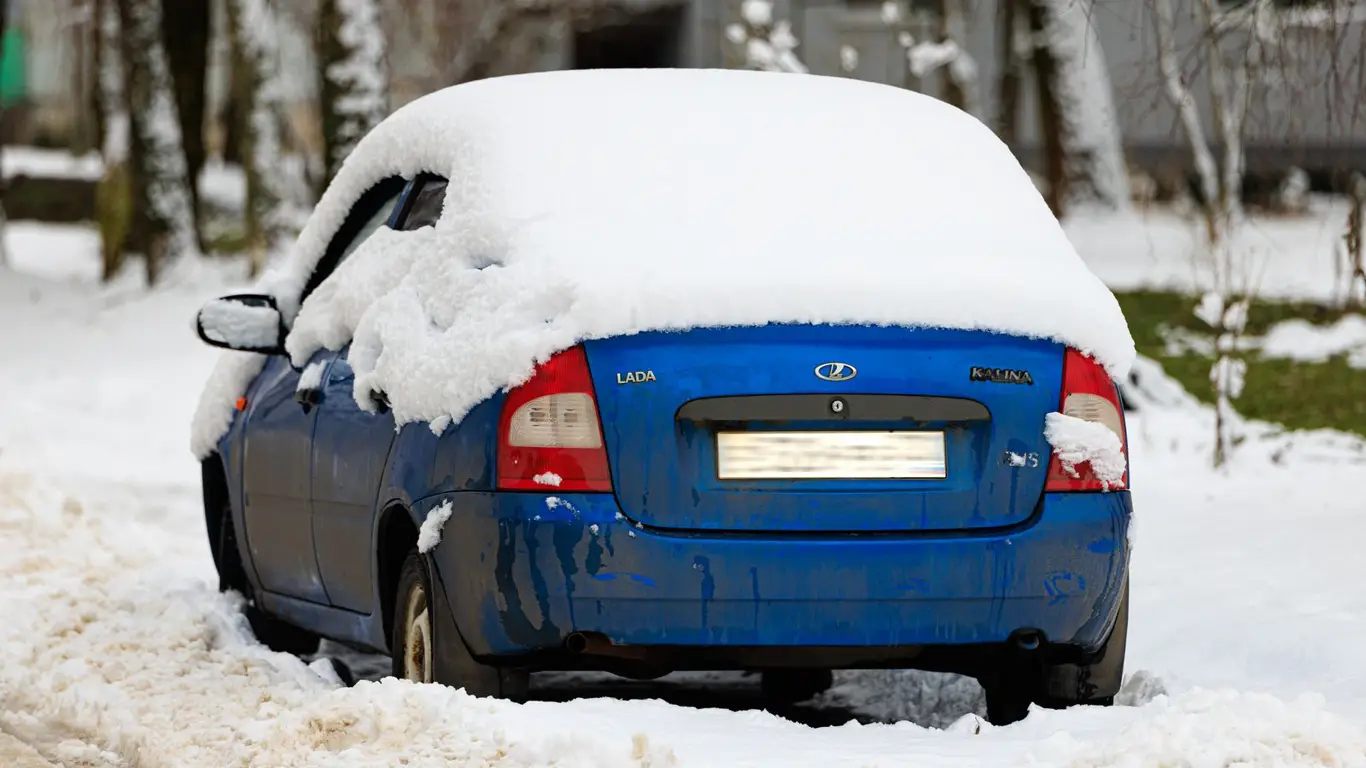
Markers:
<point>587,204</point>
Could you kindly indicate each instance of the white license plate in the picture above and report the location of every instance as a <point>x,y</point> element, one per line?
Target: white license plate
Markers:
<point>830,455</point>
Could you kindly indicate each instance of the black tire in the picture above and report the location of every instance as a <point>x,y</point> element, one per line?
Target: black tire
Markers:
<point>785,687</point>
<point>422,654</point>
<point>1009,692</point>
<point>273,633</point>
<point>1098,679</point>
<point>1019,682</point>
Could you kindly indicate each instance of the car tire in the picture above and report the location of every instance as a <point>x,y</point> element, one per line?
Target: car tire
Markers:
<point>784,687</point>
<point>273,633</point>
<point>415,640</point>
<point>1017,683</point>
<point>1096,680</point>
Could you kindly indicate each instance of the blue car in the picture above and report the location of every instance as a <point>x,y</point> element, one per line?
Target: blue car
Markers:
<point>789,499</point>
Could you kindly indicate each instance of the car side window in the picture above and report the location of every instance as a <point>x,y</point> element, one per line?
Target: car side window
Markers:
<point>424,204</point>
<point>371,212</point>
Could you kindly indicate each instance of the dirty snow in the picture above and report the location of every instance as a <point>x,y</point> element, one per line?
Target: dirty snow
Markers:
<point>547,239</point>
<point>429,535</point>
<point>1077,441</point>
<point>117,649</point>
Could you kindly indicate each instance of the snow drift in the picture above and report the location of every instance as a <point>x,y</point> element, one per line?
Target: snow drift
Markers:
<point>591,204</point>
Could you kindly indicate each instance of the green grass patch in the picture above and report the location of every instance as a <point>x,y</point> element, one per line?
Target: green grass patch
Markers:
<point>1299,395</point>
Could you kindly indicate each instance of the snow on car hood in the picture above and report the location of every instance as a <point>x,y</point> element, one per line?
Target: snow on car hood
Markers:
<point>592,204</point>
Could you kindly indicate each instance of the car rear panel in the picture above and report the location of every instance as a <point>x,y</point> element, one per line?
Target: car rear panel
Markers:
<point>976,458</point>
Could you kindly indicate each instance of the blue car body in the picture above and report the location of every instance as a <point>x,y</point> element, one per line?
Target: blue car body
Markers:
<point>674,557</point>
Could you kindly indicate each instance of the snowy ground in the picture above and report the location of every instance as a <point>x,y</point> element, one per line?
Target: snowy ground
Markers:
<point>1288,257</point>
<point>1248,630</point>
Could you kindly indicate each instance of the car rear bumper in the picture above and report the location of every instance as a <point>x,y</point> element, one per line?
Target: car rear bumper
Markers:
<point>522,572</point>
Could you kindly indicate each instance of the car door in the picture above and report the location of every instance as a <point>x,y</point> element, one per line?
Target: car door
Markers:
<point>275,485</point>
<point>351,449</point>
<point>277,445</point>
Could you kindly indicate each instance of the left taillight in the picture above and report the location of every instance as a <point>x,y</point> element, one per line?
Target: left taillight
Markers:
<point>549,436</point>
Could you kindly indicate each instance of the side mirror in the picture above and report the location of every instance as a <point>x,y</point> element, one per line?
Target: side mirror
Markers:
<point>247,322</point>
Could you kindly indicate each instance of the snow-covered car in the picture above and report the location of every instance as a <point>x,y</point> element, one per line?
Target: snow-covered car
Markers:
<point>644,371</point>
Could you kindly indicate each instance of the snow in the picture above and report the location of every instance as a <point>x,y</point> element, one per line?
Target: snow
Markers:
<point>49,164</point>
<point>758,13</point>
<point>1163,249</point>
<point>848,58</point>
<point>548,241</point>
<point>1305,342</point>
<point>1077,441</point>
<point>311,377</point>
<point>429,535</point>
<point>547,478</point>
<point>240,325</point>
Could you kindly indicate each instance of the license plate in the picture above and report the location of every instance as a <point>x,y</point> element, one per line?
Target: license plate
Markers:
<point>830,455</point>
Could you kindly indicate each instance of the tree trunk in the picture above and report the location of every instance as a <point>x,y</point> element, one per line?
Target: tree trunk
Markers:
<point>951,27</point>
<point>113,196</point>
<point>163,222</point>
<point>1012,65</point>
<point>186,32</point>
<point>354,82</point>
<point>1094,148</point>
<point>1051,122</point>
<point>273,210</point>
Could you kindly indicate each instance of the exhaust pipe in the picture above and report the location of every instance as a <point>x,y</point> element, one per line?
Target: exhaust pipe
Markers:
<point>586,642</point>
<point>1028,640</point>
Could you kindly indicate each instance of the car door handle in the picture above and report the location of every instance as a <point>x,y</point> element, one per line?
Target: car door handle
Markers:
<point>308,397</point>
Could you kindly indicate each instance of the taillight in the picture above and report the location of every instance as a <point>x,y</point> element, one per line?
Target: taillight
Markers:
<point>549,436</point>
<point>1088,394</point>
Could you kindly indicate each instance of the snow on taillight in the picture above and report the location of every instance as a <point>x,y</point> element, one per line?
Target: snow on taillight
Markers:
<point>1086,458</point>
<point>549,436</point>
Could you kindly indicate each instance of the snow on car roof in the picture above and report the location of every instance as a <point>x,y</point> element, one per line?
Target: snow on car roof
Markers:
<point>588,204</point>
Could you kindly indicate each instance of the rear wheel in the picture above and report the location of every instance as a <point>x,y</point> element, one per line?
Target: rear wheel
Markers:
<point>793,686</point>
<point>273,633</point>
<point>1018,682</point>
<point>422,655</point>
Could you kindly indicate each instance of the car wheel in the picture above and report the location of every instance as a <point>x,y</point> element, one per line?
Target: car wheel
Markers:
<point>273,633</point>
<point>793,686</point>
<point>1019,682</point>
<point>421,654</point>
<point>1097,680</point>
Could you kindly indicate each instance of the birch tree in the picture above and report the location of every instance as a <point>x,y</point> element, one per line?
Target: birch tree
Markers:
<point>354,81</point>
<point>277,189</point>
<point>1231,78</point>
<point>162,226</point>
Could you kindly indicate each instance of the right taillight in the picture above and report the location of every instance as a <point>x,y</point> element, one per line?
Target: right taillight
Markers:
<point>549,436</point>
<point>1089,394</point>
